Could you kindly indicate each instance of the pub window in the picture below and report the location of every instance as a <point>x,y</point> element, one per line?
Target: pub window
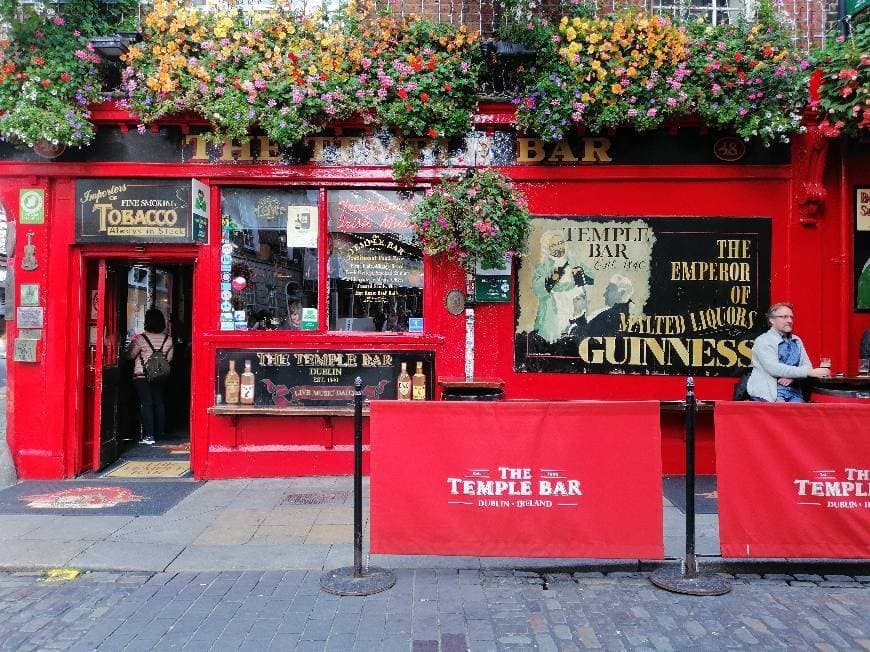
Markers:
<point>375,270</point>
<point>268,258</point>
<point>717,12</point>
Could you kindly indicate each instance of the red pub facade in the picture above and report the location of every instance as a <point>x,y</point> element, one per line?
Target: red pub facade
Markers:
<point>302,265</point>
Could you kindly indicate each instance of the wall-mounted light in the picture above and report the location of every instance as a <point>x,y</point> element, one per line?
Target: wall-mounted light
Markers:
<point>110,47</point>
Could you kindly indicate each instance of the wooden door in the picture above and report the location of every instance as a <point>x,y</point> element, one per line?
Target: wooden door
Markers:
<point>104,369</point>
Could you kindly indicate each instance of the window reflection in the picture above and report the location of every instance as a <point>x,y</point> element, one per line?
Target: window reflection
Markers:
<point>268,259</point>
<point>375,270</point>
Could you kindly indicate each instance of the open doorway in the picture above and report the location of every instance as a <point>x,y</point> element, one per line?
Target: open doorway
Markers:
<point>119,293</point>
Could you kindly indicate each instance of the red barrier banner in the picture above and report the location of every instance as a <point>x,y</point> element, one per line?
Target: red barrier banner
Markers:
<point>517,478</point>
<point>793,480</point>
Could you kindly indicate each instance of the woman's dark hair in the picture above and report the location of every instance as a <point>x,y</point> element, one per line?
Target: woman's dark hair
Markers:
<point>154,321</point>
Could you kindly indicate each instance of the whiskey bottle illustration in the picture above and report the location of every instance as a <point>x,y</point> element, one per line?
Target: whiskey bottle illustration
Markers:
<point>404,384</point>
<point>418,384</point>
<point>246,385</point>
<point>231,385</point>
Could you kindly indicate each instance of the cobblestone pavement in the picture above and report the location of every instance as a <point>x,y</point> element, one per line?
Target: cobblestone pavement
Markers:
<point>427,611</point>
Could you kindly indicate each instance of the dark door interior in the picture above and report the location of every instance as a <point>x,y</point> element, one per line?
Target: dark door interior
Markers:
<point>119,293</point>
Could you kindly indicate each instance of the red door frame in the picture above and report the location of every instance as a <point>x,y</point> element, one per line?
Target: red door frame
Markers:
<point>150,254</point>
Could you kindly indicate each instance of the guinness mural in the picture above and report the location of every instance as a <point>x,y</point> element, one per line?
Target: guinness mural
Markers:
<point>136,210</point>
<point>642,295</point>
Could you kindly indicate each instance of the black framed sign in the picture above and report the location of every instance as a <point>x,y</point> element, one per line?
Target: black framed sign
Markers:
<point>136,210</point>
<point>282,377</point>
<point>642,295</point>
<point>861,257</point>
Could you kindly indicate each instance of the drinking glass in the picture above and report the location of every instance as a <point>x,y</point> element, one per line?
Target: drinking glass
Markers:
<point>864,367</point>
<point>825,363</point>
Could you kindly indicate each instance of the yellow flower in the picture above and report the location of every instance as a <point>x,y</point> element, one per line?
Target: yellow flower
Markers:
<point>616,89</point>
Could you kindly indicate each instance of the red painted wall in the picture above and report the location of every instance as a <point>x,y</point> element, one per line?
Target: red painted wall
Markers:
<point>811,267</point>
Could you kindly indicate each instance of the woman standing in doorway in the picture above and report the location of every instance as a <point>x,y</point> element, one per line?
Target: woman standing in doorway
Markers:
<point>152,393</point>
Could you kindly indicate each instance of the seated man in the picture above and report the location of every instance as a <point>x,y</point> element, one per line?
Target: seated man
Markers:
<point>779,360</point>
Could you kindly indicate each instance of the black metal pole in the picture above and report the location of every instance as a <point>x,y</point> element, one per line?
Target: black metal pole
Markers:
<point>357,478</point>
<point>350,580</point>
<point>686,579</point>
<point>691,562</point>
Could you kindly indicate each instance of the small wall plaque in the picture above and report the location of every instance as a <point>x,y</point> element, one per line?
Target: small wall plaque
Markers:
<point>24,350</point>
<point>30,294</point>
<point>30,333</point>
<point>455,302</point>
<point>30,317</point>
<point>31,205</point>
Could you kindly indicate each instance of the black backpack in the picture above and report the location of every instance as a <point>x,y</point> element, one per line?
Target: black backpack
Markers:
<point>157,367</point>
<point>740,393</point>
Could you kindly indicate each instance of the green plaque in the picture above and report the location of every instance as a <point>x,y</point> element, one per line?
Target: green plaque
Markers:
<point>200,228</point>
<point>31,205</point>
<point>309,319</point>
<point>495,289</point>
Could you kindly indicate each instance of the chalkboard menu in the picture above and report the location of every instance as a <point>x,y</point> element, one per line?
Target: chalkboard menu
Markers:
<point>285,378</point>
<point>642,295</point>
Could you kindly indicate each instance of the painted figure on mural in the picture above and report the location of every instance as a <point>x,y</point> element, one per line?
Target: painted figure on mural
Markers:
<point>578,327</point>
<point>558,279</point>
<point>780,361</point>
<point>617,296</point>
<point>152,394</point>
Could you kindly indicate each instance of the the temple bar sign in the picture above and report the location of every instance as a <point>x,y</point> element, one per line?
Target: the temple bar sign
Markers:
<point>137,210</point>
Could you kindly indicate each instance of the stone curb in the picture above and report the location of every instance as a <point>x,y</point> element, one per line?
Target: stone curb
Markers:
<point>816,571</point>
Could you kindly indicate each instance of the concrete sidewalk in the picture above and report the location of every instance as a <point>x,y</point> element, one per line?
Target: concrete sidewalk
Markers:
<point>256,524</point>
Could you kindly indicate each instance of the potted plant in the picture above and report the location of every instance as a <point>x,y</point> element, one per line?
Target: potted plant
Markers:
<point>48,72</point>
<point>844,94</point>
<point>637,70</point>
<point>291,74</point>
<point>479,217</point>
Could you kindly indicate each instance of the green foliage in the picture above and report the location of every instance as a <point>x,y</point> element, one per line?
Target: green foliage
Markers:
<point>844,95</point>
<point>636,70</point>
<point>477,218</point>
<point>748,77</point>
<point>48,72</point>
<point>291,74</point>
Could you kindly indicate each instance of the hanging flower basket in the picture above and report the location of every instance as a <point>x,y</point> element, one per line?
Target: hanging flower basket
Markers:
<point>478,218</point>
<point>844,95</point>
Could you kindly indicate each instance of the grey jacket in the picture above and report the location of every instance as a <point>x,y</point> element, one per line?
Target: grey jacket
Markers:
<point>766,367</point>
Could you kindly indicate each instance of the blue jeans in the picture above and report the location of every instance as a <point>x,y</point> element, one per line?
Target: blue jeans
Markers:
<point>792,399</point>
<point>153,408</point>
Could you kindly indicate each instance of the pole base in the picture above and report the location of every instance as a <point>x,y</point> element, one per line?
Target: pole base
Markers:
<point>672,579</point>
<point>341,581</point>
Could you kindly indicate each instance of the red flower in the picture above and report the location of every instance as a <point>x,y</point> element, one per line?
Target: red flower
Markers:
<point>38,61</point>
<point>432,133</point>
<point>424,97</point>
<point>323,76</point>
<point>46,83</point>
<point>403,93</point>
<point>292,57</point>
<point>409,107</point>
<point>448,87</point>
<point>738,56</point>
<point>65,77</point>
